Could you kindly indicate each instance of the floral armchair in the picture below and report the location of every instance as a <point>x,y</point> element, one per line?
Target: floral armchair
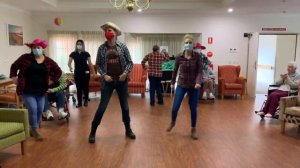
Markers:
<point>229,81</point>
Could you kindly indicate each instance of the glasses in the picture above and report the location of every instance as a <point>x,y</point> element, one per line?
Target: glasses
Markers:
<point>188,42</point>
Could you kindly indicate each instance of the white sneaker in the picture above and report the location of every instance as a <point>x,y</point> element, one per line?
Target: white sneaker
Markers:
<point>268,115</point>
<point>260,113</point>
<point>211,96</point>
<point>62,114</point>
<point>204,96</point>
<point>47,116</point>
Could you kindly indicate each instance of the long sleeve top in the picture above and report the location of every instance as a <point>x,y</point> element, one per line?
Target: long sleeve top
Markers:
<point>62,84</point>
<point>19,67</point>
<point>123,52</point>
<point>155,60</point>
<point>189,70</point>
<point>292,82</point>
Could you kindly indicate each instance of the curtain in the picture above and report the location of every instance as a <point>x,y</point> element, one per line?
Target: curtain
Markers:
<point>62,43</point>
<point>140,45</point>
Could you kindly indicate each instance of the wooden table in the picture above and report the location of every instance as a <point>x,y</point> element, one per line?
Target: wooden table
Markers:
<point>6,82</point>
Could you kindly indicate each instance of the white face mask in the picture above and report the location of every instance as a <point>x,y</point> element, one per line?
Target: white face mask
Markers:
<point>79,47</point>
<point>197,50</point>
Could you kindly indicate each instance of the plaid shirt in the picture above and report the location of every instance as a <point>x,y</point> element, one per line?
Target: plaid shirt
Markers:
<point>19,67</point>
<point>125,58</point>
<point>190,71</point>
<point>62,84</point>
<point>155,61</point>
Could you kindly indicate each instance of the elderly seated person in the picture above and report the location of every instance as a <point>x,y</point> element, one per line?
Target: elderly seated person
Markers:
<point>287,82</point>
<point>55,94</point>
<point>208,82</point>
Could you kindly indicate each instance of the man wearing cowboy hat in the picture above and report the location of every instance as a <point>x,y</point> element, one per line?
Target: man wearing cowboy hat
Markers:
<point>114,63</point>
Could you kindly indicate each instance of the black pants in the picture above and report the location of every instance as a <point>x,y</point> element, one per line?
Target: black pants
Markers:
<point>82,80</point>
<point>107,89</point>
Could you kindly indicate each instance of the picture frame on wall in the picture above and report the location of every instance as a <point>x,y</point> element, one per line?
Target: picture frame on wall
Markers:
<point>15,35</point>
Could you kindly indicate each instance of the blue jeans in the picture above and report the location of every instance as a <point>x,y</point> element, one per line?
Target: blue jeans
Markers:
<point>155,86</point>
<point>57,97</point>
<point>106,91</point>
<point>35,106</point>
<point>193,102</point>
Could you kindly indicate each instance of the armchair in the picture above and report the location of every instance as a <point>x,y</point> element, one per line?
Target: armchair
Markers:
<point>229,81</point>
<point>95,84</point>
<point>8,94</point>
<point>137,80</point>
<point>14,127</point>
<point>289,111</point>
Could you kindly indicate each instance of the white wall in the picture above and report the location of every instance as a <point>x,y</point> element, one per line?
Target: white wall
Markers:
<point>227,31</point>
<point>10,15</point>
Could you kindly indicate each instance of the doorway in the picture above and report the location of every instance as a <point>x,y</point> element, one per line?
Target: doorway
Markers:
<point>274,52</point>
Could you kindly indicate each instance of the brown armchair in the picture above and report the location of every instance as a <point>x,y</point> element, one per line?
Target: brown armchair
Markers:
<point>137,82</point>
<point>8,94</point>
<point>94,84</point>
<point>229,81</point>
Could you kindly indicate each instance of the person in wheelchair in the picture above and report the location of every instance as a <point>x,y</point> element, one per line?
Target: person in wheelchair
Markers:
<point>208,82</point>
<point>55,93</point>
<point>286,83</point>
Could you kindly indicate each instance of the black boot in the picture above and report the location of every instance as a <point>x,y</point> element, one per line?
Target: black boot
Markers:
<point>92,136</point>
<point>129,132</point>
<point>85,103</point>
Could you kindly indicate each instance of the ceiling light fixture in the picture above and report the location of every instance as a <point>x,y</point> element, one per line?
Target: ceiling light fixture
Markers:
<point>230,10</point>
<point>130,4</point>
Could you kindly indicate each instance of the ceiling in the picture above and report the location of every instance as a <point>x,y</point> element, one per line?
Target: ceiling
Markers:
<point>161,6</point>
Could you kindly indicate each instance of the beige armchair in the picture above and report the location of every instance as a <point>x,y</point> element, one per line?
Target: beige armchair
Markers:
<point>289,111</point>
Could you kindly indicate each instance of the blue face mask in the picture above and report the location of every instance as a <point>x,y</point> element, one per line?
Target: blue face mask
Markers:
<point>37,52</point>
<point>188,47</point>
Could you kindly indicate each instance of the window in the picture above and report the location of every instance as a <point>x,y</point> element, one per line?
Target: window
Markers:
<point>62,43</point>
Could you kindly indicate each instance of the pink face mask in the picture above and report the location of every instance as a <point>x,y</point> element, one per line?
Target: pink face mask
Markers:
<point>109,35</point>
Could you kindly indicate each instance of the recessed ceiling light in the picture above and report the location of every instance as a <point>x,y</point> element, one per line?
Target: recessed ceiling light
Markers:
<point>139,10</point>
<point>230,10</point>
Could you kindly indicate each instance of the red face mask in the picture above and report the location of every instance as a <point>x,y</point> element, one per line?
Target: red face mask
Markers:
<point>109,35</point>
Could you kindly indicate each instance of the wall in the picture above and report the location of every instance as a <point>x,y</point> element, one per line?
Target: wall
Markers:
<point>227,31</point>
<point>11,15</point>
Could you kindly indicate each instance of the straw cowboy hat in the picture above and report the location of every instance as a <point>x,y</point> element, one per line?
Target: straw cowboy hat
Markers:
<point>113,26</point>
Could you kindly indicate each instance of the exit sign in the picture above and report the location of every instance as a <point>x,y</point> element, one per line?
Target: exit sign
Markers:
<point>273,29</point>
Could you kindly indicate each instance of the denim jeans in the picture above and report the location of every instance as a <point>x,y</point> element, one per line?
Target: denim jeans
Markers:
<point>155,86</point>
<point>106,91</point>
<point>57,97</point>
<point>35,106</point>
<point>193,103</point>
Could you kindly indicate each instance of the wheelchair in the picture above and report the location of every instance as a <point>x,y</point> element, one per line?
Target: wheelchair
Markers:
<point>70,82</point>
<point>271,89</point>
<point>52,103</point>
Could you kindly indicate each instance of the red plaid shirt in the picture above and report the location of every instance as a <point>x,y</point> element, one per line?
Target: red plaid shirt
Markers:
<point>19,67</point>
<point>155,61</point>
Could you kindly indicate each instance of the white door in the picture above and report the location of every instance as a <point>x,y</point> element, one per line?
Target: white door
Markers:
<point>251,66</point>
<point>274,52</point>
<point>265,62</point>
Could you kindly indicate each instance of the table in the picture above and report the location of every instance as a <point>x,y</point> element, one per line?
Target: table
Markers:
<point>6,82</point>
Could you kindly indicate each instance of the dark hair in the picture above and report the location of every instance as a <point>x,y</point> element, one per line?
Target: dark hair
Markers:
<point>172,58</point>
<point>82,42</point>
<point>155,48</point>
